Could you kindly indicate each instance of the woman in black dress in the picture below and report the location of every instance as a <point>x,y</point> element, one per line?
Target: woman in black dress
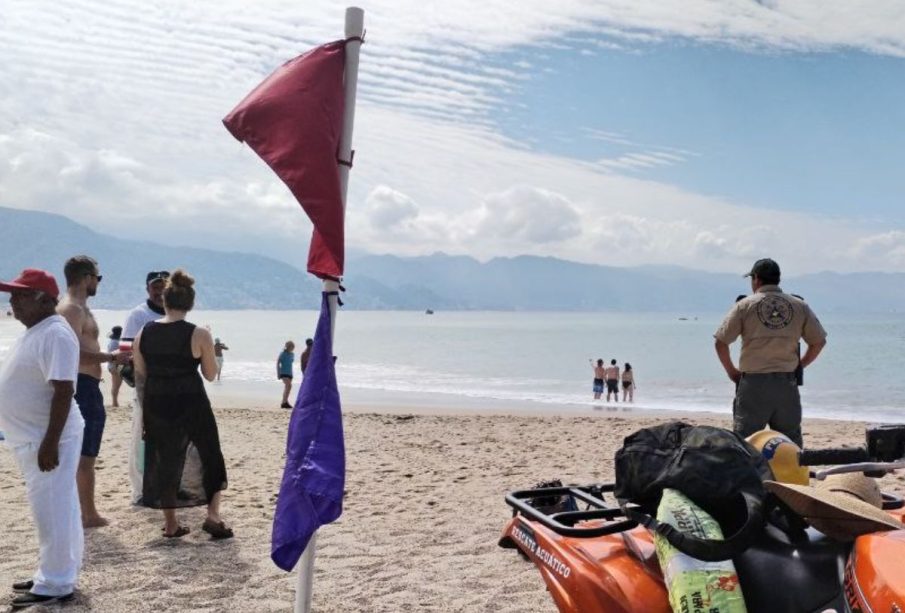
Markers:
<point>183,463</point>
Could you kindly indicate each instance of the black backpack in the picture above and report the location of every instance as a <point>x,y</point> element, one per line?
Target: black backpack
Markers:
<point>716,468</point>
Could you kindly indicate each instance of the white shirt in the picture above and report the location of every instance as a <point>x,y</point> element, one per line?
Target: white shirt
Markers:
<point>137,319</point>
<point>48,351</point>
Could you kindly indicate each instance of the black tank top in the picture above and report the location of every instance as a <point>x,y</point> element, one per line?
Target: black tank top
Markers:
<point>167,350</point>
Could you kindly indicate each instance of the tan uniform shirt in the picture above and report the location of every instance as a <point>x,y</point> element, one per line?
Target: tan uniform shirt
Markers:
<point>770,323</point>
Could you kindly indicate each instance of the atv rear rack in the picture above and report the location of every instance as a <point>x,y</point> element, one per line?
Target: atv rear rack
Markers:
<point>563,521</point>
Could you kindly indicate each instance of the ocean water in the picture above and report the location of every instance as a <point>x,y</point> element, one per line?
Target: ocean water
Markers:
<point>539,361</point>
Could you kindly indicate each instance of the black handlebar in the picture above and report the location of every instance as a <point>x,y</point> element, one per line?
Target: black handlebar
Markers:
<point>839,455</point>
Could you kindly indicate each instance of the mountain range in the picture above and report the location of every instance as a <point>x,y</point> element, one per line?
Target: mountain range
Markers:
<point>232,280</point>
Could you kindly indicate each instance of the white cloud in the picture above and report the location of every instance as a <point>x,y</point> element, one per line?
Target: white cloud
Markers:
<point>388,209</point>
<point>527,215</point>
<point>110,113</point>
<point>884,251</point>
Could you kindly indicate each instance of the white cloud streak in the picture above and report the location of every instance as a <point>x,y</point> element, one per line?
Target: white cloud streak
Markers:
<point>110,113</point>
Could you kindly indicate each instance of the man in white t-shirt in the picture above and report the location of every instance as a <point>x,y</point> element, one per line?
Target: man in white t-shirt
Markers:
<point>44,428</point>
<point>146,312</point>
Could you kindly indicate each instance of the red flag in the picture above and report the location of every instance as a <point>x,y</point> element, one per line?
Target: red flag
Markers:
<point>293,120</point>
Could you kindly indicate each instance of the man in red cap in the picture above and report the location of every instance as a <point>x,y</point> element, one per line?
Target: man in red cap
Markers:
<point>43,427</point>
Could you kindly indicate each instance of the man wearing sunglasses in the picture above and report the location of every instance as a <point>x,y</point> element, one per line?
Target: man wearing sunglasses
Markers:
<point>146,312</point>
<point>82,280</point>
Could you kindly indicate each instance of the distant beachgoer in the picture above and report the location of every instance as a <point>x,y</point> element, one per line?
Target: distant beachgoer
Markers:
<point>43,429</point>
<point>599,375</point>
<point>306,354</point>
<point>146,312</point>
<point>284,371</point>
<point>219,348</point>
<point>628,383</point>
<point>177,413</point>
<point>770,323</point>
<point>612,380</point>
<point>116,379</point>
<point>82,281</point>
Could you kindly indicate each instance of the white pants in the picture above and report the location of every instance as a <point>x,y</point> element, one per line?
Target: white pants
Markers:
<point>54,500</point>
<point>136,452</point>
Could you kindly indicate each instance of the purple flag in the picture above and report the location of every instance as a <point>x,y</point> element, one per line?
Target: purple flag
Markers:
<point>311,493</point>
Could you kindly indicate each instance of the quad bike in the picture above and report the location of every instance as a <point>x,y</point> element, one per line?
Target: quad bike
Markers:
<point>595,560</point>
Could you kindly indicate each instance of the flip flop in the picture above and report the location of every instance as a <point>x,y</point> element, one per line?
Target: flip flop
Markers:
<point>217,530</point>
<point>180,532</point>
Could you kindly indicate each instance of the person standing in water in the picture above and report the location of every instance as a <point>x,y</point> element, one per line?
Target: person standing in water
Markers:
<point>219,348</point>
<point>599,376</point>
<point>628,383</point>
<point>612,380</point>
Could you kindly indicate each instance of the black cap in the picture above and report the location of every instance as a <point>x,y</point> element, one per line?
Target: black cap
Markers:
<point>765,269</point>
<point>157,275</point>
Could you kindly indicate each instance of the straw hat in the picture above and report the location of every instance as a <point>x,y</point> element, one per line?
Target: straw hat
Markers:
<point>842,506</point>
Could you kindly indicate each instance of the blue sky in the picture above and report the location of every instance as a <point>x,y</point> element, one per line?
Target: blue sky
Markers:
<point>629,132</point>
<point>812,132</point>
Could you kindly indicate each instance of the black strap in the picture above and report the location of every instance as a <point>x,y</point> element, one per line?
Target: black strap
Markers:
<point>708,550</point>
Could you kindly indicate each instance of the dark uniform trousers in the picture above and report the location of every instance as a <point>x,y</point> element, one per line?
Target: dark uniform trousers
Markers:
<point>768,399</point>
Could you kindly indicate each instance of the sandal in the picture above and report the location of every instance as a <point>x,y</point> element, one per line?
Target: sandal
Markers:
<point>180,532</point>
<point>217,530</point>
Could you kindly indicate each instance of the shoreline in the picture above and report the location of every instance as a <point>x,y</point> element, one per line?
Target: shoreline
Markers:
<point>231,394</point>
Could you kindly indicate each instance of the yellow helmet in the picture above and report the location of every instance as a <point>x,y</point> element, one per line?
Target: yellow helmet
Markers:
<point>782,455</point>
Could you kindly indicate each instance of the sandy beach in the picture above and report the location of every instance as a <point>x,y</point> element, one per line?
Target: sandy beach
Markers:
<point>423,511</point>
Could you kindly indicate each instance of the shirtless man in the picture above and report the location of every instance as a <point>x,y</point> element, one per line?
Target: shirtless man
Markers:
<point>612,380</point>
<point>599,375</point>
<point>82,279</point>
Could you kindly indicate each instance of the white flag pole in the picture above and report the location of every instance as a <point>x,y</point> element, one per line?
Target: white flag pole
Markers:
<point>355,19</point>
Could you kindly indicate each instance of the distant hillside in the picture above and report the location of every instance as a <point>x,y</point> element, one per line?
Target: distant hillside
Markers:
<point>224,280</point>
<point>228,280</point>
<point>534,283</point>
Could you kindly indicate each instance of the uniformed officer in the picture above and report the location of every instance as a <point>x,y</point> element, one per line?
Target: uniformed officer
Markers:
<point>771,324</point>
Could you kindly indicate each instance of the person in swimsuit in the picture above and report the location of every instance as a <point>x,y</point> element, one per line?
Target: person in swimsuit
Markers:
<point>284,371</point>
<point>177,413</point>
<point>599,374</point>
<point>82,281</point>
<point>612,380</point>
<point>628,383</point>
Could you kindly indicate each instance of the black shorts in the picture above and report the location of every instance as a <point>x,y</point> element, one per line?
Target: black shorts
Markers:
<point>612,385</point>
<point>284,376</point>
<point>626,385</point>
<point>91,405</point>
